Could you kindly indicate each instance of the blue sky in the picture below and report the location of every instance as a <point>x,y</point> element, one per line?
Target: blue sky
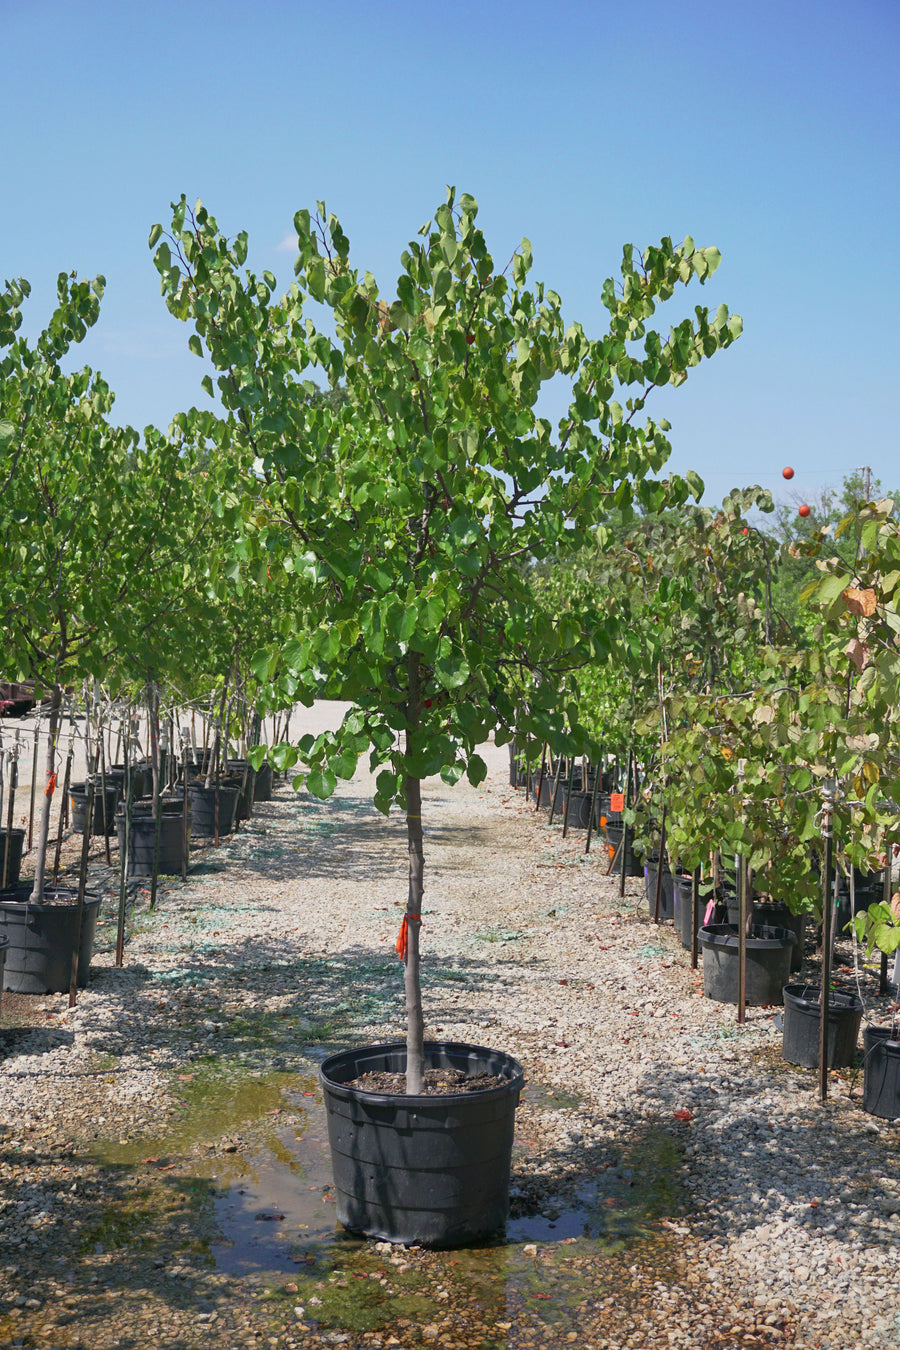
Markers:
<point>770,130</point>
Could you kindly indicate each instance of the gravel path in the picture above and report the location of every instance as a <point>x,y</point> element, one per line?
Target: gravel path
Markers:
<point>675,1182</point>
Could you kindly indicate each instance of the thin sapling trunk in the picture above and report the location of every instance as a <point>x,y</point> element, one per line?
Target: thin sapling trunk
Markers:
<point>408,946</point>
<point>40,862</point>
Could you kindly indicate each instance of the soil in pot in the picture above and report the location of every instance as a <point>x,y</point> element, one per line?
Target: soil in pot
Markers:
<point>881,1071</point>
<point>14,858</point>
<point>430,1169</point>
<point>802,1014</point>
<point>42,939</point>
<point>768,963</point>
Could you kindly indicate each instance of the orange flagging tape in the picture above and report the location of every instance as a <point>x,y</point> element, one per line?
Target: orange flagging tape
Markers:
<point>403,937</point>
<point>51,785</point>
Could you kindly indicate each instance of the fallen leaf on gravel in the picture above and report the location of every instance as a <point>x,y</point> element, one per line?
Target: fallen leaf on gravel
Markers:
<point>683,1114</point>
<point>185,1077</point>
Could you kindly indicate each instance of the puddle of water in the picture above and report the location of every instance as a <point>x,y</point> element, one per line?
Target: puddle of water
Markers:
<point>275,1201</point>
<point>265,1214</point>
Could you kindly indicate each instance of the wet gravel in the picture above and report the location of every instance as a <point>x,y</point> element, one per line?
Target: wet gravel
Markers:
<point>675,1182</point>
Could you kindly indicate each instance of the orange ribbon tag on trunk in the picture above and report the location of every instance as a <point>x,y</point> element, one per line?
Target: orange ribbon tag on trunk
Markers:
<point>402,942</point>
<point>51,785</point>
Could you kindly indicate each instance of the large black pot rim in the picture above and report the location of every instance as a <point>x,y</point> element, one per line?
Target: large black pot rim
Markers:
<point>68,894</point>
<point>143,806</point>
<point>808,997</point>
<point>340,1089</point>
<point>762,936</point>
<point>884,1035</point>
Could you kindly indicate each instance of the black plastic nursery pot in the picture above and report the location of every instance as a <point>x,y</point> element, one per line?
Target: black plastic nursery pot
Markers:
<point>802,1016</point>
<point>242,773</point>
<point>141,779</point>
<point>683,890</point>
<point>768,963</point>
<point>4,947</point>
<point>627,856</point>
<point>868,890</point>
<point>173,847</point>
<point>100,824</point>
<point>430,1169</point>
<point>547,794</point>
<point>265,782</point>
<point>579,816</point>
<point>203,807</point>
<point>14,857</point>
<point>775,914</point>
<point>667,890</point>
<point>42,939</point>
<point>881,1072</point>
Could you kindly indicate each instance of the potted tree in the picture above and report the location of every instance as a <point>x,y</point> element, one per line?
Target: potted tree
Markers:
<point>397,523</point>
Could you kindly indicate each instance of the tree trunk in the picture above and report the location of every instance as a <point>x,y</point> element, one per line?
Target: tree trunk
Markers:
<point>415,1024</point>
<point>40,862</point>
<point>153,737</point>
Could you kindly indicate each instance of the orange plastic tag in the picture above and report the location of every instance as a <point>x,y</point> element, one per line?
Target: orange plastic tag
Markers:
<point>617,801</point>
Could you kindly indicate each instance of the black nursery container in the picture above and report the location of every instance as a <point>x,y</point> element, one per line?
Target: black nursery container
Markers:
<point>42,939</point>
<point>243,774</point>
<point>14,858</point>
<point>802,1016</point>
<point>667,890</point>
<point>768,963</point>
<point>203,807</point>
<point>142,838</point>
<point>774,914</point>
<point>683,890</point>
<point>265,782</point>
<point>101,823</point>
<point>425,1169</point>
<point>881,1073</point>
<point>627,857</point>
